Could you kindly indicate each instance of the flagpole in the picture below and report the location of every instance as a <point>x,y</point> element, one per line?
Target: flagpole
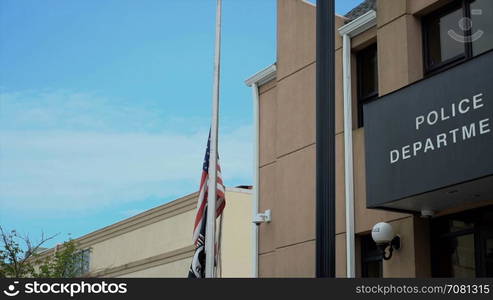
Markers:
<point>211,199</point>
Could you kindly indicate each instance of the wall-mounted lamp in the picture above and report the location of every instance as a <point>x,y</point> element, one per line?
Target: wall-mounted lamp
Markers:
<point>383,235</point>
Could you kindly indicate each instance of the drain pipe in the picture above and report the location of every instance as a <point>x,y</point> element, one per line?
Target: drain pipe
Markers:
<point>348,157</point>
<point>348,31</point>
<point>255,82</point>
<point>256,184</point>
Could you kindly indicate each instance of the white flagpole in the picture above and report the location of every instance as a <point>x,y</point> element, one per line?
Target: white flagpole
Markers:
<point>211,199</point>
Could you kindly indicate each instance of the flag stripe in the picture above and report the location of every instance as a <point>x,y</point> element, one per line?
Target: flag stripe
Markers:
<point>198,261</point>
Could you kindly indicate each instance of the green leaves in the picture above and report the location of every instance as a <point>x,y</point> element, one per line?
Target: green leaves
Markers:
<point>65,261</point>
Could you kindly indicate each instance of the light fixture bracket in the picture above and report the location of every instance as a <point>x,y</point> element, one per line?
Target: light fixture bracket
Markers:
<point>394,244</point>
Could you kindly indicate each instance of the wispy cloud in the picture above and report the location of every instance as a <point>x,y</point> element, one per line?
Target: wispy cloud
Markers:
<point>70,110</point>
<point>62,151</point>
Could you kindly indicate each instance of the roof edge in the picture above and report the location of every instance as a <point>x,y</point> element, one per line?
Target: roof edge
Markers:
<point>186,203</point>
<point>360,24</point>
<point>263,76</point>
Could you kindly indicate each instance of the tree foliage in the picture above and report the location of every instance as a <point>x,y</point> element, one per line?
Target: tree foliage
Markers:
<point>20,257</point>
<point>67,262</point>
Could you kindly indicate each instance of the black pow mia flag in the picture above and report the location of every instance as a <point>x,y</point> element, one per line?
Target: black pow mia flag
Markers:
<point>197,268</point>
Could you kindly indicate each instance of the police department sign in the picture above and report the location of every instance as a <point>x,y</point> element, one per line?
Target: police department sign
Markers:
<point>452,136</point>
<point>430,135</point>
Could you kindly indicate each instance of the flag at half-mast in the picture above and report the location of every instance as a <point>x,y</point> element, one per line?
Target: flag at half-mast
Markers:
<point>197,268</point>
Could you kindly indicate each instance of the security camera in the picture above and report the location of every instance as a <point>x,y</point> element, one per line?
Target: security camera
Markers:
<point>257,220</point>
<point>260,218</point>
<point>427,213</point>
<point>384,236</point>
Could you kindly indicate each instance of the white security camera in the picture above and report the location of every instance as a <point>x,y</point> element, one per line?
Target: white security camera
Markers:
<point>384,236</point>
<point>425,213</point>
<point>260,218</point>
<point>257,220</point>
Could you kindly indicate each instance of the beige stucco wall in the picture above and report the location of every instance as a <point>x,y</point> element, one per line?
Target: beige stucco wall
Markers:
<point>158,242</point>
<point>237,235</point>
<point>172,269</point>
<point>173,235</point>
<point>287,141</point>
<point>154,239</point>
<point>286,114</point>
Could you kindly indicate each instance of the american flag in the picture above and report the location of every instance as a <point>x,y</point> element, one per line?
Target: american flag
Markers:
<point>197,269</point>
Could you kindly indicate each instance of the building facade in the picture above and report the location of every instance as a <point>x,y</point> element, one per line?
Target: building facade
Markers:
<point>158,242</point>
<point>414,139</point>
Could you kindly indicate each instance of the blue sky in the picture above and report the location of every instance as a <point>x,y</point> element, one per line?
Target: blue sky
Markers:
<point>105,105</point>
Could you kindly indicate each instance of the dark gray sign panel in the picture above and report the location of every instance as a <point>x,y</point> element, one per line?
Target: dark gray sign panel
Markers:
<point>433,134</point>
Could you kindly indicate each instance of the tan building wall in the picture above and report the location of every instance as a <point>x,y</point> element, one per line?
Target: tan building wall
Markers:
<point>287,141</point>
<point>236,251</point>
<point>158,242</point>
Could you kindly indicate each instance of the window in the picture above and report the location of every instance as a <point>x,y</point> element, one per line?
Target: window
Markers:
<point>80,265</point>
<point>371,258</point>
<point>84,261</point>
<point>482,22</point>
<point>457,32</point>
<point>462,244</point>
<point>367,69</point>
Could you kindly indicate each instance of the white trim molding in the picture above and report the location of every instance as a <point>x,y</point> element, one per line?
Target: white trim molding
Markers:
<point>255,82</point>
<point>360,24</point>
<point>348,31</point>
<point>263,76</point>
